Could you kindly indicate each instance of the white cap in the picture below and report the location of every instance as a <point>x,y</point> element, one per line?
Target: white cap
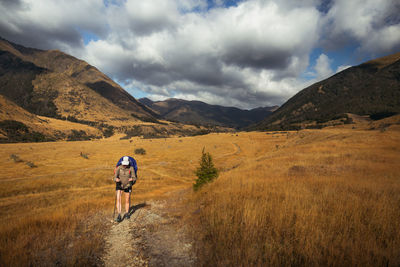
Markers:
<point>125,161</point>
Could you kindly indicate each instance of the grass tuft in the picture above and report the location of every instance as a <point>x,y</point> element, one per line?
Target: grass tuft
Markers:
<point>31,164</point>
<point>85,156</point>
<point>140,151</point>
<point>15,158</point>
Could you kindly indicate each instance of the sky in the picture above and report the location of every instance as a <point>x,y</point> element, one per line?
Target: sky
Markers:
<point>246,53</point>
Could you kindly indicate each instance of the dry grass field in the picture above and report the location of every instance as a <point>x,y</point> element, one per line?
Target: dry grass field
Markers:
<point>314,197</point>
<point>58,210</point>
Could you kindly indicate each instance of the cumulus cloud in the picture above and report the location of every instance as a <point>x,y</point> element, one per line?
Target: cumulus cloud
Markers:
<point>242,53</point>
<point>374,25</point>
<point>323,67</point>
<point>48,24</point>
<point>224,54</point>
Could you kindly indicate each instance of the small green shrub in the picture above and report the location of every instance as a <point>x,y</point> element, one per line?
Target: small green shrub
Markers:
<point>140,151</point>
<point>206,172</point>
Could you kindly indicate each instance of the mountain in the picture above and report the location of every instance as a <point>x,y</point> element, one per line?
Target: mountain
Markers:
<point>372,88</point>
<point>49,95</point>
<point>54,84</point>
<point>197,112</point>
<point>19,125</point>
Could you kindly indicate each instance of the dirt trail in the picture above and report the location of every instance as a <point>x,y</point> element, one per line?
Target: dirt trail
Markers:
<point>153,236</point>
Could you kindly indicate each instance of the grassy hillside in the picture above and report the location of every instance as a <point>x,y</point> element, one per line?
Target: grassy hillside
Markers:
<point>19,125</point>
<point>372,88</point>
<point>54,84</point>
<point>313,197</point>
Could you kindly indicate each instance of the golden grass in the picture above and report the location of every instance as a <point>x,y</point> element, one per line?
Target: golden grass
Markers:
<point>46,212</point>
<point>329,197</point>
<point>309,198</point>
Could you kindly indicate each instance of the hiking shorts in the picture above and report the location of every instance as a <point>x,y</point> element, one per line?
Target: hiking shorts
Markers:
<point>118,186</point>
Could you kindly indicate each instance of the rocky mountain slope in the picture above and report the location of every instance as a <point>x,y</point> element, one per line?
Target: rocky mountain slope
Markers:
<point>54,84</point>
<point>197,112</point>
<point>372,88</point>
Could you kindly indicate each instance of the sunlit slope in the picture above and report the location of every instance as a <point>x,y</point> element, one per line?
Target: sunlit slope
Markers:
<point>49,127</point>
<point>54,84</point>
<point>367,89</point>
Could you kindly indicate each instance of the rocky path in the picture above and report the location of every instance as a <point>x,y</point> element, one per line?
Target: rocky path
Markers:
<point>153,236</point>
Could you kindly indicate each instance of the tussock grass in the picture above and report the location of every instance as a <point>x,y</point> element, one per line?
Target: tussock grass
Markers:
<point>328,197</point>
<point>59,212</point>
<point>325,198</point>
<point>140,151</point>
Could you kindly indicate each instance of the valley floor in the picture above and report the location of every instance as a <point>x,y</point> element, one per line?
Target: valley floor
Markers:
<point>274,201</point>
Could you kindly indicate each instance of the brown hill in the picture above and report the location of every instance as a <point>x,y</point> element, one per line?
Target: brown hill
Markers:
<point>372,89</point>
<point>49,90</point>
<point>200,113</point>
<point>17,124</point>
<point>55,84</point>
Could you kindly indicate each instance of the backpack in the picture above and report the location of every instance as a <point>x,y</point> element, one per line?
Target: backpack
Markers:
<point>132,163</point>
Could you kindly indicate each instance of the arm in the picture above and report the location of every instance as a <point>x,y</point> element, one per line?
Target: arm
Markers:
<point>116,176</point>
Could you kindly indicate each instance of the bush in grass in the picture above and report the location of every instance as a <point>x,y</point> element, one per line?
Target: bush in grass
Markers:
<point>206,172</point>
<point>140,151</point>
<point>31,164</point>
<point>15,158</point>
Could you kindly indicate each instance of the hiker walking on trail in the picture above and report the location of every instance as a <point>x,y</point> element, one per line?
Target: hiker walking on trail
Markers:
<point>125,177</point>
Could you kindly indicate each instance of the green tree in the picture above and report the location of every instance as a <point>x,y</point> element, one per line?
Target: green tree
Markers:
<point>206,172</point>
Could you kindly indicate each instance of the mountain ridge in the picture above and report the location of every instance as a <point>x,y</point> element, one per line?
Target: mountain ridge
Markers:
<point>370,88</point>
<point>52,73</point>
<point>198,112</point>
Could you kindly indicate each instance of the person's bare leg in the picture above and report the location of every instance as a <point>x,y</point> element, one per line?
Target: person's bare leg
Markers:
<point>119,193</point>
<point>127,196</point>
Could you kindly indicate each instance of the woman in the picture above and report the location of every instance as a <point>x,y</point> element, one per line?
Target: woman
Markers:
<point>125,177</point>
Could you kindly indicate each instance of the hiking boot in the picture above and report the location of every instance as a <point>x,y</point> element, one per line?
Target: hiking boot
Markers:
<point>118,219</point>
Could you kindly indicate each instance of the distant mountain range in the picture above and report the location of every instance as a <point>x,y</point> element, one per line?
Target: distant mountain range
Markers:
<point>49,95</point>
<point>43,92</point>
<point>197,112</point>
<point>372,88</point>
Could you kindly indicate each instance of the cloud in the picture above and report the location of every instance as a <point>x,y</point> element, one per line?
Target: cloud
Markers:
<point>242,53</point>
<point>342,68</point>
<point>50,24</point>
<point>225,53</point>
<point>374,25</point>
<point>323,67</point>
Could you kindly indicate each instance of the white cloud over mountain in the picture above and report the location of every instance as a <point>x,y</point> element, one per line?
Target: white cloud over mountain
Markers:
<point>249,54</point>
